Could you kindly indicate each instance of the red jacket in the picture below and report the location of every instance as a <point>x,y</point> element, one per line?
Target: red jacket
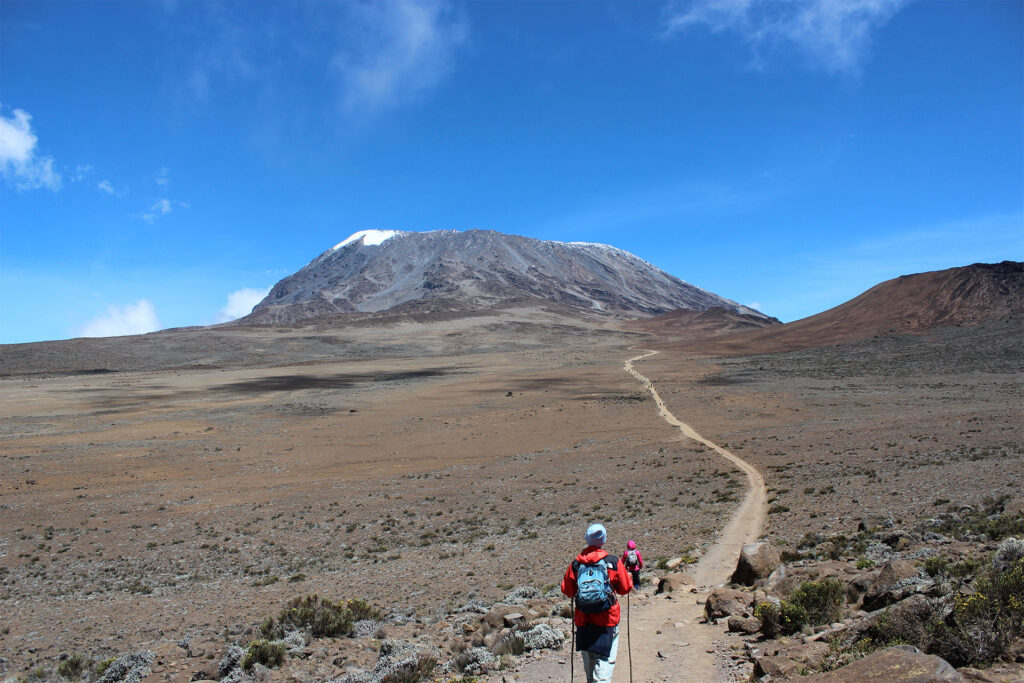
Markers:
<point>620,579</point>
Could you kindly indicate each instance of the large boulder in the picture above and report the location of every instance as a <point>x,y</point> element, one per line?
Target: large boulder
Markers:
<point>902,664</point>
<point>726,602</point>
<point>670,583</point>
<point>748,625</point>
<point>757,561</point>
<point>898,579</point>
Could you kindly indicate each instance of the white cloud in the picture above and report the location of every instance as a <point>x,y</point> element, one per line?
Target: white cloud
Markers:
<point>833,35</point>
<point>397,50</point>
<point>160,207</point>
<point>137,318</point>
<point>18,160</point>
<point>81,172</point>
<point>756,305</point>
<point>105,186</point>
<point>162,176</point>
<point>240,303</point>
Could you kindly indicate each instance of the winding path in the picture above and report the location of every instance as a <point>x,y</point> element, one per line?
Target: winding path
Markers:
<point>668,642</point>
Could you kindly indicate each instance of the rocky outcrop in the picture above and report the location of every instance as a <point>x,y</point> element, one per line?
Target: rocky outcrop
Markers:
<point>901,664</point>
<point>896,581</point>
<point>727,602</point>
<point>757,561</point>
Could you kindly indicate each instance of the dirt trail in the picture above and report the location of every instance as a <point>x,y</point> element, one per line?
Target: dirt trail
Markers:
<point>669,644</point>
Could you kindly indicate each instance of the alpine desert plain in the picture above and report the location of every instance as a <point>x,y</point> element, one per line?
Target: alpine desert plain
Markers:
<point>171,491</point>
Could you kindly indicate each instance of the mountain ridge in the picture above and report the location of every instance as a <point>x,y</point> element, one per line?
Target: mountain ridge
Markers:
<point>452,271</point>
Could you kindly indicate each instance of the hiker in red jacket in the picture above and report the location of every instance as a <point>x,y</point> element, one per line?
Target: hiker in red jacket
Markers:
<point>592,579</point>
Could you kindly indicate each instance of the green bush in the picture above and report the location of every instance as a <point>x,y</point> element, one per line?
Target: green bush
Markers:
<point>72,667</point>
<point>412,672</point>
<point>786,618</point>
<point>511,644</point>
<point>768,614</point>
<point>323,618</point>
<point>986,622</point>
<point>822,600</point>
<point>263,652</point>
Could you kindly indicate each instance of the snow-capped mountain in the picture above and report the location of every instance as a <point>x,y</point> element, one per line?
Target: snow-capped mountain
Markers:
<point>454,271</point>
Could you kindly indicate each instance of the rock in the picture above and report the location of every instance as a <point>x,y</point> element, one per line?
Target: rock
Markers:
<point>892,665</point>
<point>673,563</point>
<point>513,618</point>
<point>725,602</point>
<point>748,625</point>
<point>757,561</point>
<point>778,667</point>
<point>895,581</point>
<point>673,582</point>
<point>775,578</point>
<point>496,617</point>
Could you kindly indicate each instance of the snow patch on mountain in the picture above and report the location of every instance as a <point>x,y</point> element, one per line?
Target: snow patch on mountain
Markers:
<point>370,238</point>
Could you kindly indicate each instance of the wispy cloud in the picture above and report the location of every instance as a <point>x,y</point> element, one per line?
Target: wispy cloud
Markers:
<point>137,318</point>
<point>240,303</point>
<point>105,186</point>
<point>833,35</point>
<point>163,177</point>
<point>159,208</point>
<point>19,162</point>
<point>396,50</point>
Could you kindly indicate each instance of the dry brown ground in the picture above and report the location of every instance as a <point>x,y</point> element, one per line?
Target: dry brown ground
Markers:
<point>139,507</point>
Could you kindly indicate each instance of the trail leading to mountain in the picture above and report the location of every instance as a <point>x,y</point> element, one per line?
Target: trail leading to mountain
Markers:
<point>668,643</point>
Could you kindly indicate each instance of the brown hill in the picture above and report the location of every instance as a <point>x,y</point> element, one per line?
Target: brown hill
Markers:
<point>905,305</point>
<point>713,322</point>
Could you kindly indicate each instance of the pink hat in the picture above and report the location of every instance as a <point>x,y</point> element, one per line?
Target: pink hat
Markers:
<point>631,545</point>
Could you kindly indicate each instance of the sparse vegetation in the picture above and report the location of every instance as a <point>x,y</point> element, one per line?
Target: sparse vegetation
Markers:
<point>269,654</point>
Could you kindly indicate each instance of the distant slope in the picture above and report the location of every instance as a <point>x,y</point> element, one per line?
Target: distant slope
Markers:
<point>448,271</point>
<point>909,304</point>
<point>701,324</point>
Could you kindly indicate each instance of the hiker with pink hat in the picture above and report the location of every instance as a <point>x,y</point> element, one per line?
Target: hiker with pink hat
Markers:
<point>633,560</point>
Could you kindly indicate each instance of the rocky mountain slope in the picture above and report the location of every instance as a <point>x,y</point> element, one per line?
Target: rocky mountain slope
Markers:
<point>969,295</point>
<point>447,270</point>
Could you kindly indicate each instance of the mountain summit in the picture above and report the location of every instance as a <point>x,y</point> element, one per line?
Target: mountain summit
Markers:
<point>453,271</point>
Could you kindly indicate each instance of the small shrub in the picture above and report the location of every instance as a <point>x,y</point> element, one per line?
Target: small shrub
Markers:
<point>864,562</point>
<point>510,644</point>
<point>72,667</point>
<point>322,617</point>
<point>768,613</point>
<point>822,600</point>
<point>985,623</point>
<point>792,617</point>
<point>270,655</point>
<point>103,665</point>
<point>411,670</point>
<point>936,567</point>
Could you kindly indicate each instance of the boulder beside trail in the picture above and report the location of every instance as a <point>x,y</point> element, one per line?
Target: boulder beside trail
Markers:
<point>901,664</point>
<point>726,602</point>
<point>671,583</point>
<point>757,561</point>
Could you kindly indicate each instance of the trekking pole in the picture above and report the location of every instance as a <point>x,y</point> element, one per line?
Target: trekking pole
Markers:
<point>572,649</point>
<point>629,640</point>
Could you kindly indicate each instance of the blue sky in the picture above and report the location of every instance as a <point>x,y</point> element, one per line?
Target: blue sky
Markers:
<point>164,163</point>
